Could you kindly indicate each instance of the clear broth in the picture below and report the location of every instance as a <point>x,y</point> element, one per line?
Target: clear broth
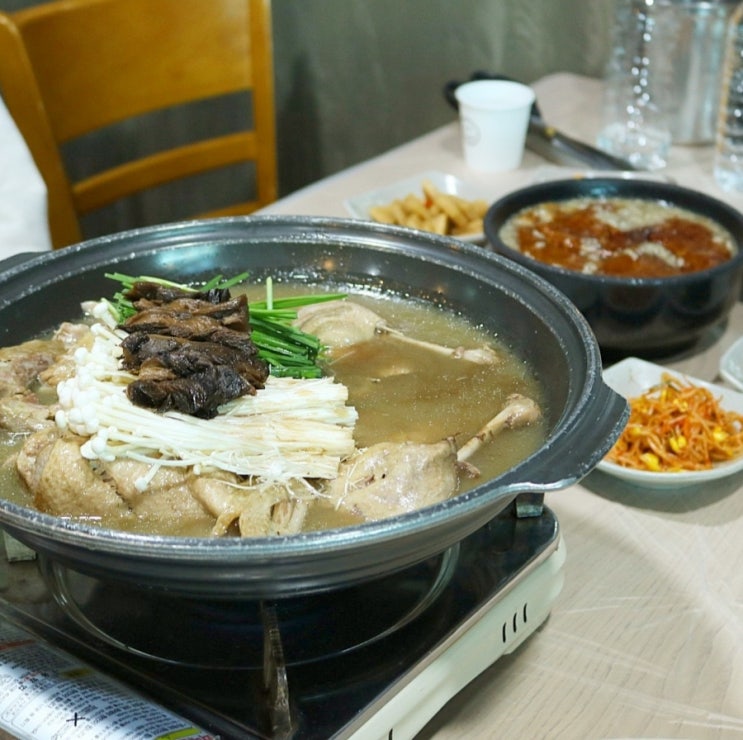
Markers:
<point>400,393</point>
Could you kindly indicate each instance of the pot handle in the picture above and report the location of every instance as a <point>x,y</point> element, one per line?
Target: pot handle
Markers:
<point>603,419</point>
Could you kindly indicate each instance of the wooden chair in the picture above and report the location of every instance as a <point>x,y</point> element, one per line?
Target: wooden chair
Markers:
<point>73,67</point>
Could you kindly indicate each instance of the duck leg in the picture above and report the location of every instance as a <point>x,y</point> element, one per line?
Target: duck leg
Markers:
<point>343,323</point>
<point>518,411</point>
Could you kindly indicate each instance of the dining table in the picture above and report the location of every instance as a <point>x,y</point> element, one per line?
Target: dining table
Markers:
<point>645,639</point>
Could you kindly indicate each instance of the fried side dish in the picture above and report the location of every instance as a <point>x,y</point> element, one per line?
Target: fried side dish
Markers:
<point>678,426</point>
<point>440,213</point>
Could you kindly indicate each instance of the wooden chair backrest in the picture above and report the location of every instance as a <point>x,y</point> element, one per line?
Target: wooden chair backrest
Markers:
<point>72,67</point>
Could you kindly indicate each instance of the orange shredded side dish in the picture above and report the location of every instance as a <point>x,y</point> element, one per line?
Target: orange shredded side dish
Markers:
<point>677,426</point>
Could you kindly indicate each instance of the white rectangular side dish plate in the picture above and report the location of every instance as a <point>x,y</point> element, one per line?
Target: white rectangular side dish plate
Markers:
<point>358,206</point>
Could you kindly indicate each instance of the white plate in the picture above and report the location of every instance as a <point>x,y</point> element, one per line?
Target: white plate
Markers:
<point>359,205</point>
<point>632,377</point>
<point>731,364</point>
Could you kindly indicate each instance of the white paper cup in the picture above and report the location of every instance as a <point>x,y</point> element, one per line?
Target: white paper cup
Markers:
<point>494,116</point>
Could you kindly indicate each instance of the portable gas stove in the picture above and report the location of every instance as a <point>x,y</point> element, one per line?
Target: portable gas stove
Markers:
<point>85,658</point>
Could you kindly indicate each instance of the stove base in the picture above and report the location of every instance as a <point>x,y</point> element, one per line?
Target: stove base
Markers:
<point>320,672</point>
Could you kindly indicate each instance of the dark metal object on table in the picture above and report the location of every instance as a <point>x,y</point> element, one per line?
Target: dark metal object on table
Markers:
<point>546,140</point>
<point>275,682</point>
<point>529,504</point>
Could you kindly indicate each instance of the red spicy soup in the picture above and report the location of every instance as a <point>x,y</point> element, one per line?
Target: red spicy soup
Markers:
<point>625,237</point>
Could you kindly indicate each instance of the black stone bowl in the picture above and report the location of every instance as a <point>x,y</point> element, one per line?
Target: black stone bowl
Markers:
<point>648,317</point>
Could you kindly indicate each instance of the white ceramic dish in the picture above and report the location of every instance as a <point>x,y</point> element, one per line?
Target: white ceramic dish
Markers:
<point>359,205</point>
<point>632,377</point>
<point>731,364</point>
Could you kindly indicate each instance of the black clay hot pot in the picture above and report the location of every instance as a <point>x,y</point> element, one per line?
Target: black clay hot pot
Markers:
<point>641,316</point>
<point>533,317</point>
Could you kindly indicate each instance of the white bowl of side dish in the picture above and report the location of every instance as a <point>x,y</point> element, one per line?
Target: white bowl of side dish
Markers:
<point>360,206</point>
<point>631,378</point>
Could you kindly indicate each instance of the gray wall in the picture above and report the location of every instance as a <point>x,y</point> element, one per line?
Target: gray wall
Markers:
<point>357,77</point>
